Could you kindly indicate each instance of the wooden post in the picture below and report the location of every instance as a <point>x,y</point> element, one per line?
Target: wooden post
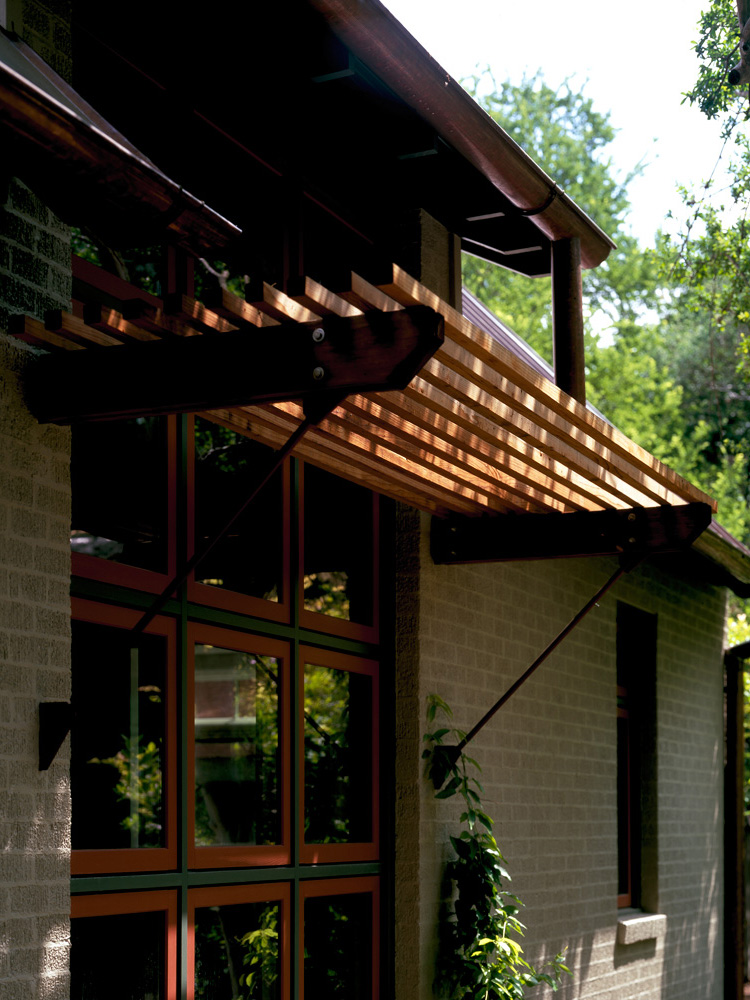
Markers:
<point>567,317</point>
<point>734,832</point>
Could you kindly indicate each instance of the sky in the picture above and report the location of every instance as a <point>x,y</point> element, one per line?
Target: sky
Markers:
<point>634,60</point>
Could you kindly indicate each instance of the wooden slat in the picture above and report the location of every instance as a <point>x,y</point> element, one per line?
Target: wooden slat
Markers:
<point>487,404</point>
<point>235,309</point>
<point>320,300</point>
<point>442,405</point>
<point>366,296</point>
<point>408,291</point>
<point>273,427</point>
<point>436,454</point>
<point>74,328</point>
<point>511,461</point>
<point>460,368</point>
<point>278,305</point>
<point>100,317</point>
<point>197,315</point>
<point>442,484</point>
<point>31,331</point>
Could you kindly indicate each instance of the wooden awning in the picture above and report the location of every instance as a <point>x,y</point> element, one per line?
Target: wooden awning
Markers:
<point>477,431</point>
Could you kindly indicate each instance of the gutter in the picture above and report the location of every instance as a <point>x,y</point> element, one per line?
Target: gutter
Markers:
<point>380,41</point>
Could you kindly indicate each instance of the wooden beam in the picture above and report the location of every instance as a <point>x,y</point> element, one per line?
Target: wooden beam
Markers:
<point>292,361</point>
<point>545,396</point>
<point>636,532</point>
<point>567,318</point>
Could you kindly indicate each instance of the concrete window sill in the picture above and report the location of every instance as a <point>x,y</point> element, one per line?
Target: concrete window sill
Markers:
<point>634,926</point>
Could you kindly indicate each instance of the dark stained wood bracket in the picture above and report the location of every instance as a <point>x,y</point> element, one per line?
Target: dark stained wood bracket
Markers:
<point>55,720</point>
<point>637,532</point>
<point>299,361</point>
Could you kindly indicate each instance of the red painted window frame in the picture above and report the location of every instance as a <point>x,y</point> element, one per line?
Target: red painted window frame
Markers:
<point>232,600</point>
<point>151,901</point>
<point>138,859</point>
<point>364,885</point>
<point>134,577</point>
<point>315,620</point>
<point>231,895</point>
<point>357,851</point>
<point>236,856</point>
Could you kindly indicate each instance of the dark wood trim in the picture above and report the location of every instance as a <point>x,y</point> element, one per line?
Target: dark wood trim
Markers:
<point>358,354</point>
<point>567,318</point>
<point>639,531</point>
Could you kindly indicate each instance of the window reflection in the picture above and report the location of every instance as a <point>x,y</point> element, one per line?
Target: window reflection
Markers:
<point>236,747</point>
<point>117,744</point>
<point>338,947</point>
<point>338,756</point>
<point>237,952</point>
<point>118,957</point>
<point>338,557</point>
<point>249,559</point>
<point>119,473</point>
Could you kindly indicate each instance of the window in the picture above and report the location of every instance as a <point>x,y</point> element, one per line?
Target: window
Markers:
<point>225,770</point>
<point>637,884</point>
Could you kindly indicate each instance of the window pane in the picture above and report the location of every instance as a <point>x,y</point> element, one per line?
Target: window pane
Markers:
<point>237,952</point>
<point>338,947</point>
<point>236,748</point>
<point>249,559</point>
<point>118,957</point>
<point>338,565</point>
<point>117,742</point>
<point>119,480</point>
<point>338,756</point>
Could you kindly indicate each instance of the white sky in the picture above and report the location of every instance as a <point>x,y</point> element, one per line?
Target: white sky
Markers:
<point>635,59</point>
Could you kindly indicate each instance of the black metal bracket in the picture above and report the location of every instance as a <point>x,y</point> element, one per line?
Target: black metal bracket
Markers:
<point>55,720</point>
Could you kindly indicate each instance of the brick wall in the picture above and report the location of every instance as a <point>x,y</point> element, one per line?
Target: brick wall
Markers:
<point>549,764</point>
<point>34,624</point>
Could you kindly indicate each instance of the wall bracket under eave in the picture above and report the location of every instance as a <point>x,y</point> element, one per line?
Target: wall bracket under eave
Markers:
<point>638,531</point>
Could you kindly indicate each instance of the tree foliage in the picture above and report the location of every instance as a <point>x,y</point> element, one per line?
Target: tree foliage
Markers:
<point>563,131</point>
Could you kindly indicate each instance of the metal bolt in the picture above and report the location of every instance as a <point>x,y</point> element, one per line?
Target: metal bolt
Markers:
<point>631,516</point>
<point>319,373</point>
<point>631,541</point>
<point>319,334</point>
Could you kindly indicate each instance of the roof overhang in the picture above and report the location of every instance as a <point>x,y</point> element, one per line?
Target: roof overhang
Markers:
<point>382,43</point>
<point>85,170</point>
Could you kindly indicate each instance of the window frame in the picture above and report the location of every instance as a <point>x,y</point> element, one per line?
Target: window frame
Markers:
<point>314,853</point>
<point>220,597</point>
<point>136,577</point>
<point>147,901</point>
<point>245,856</point>
<point>91,861</point>
<point>357,885</point>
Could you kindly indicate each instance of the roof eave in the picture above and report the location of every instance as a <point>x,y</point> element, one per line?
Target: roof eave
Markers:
<point>380,41</point>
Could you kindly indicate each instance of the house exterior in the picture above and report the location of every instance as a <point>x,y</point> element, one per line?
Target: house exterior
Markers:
<point>241,809</point>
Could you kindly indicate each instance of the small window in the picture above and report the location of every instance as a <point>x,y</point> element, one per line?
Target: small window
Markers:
<point>340,934</point>
<point>122,528</point>
<point>239,761</point>
<point>637,883</point>
<point>247,570</point>
<point>339,707</point>
<point>122,742</point>
<point>339,549</point>
<point>123,946</point>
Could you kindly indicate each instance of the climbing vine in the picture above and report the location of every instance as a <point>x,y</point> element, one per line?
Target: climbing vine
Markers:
<point>479,955</point>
